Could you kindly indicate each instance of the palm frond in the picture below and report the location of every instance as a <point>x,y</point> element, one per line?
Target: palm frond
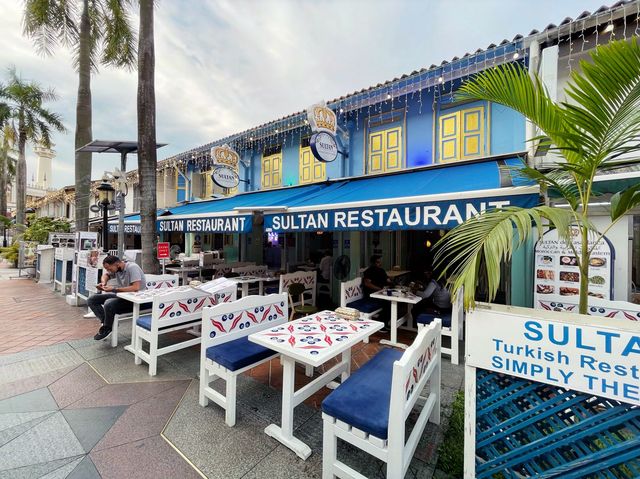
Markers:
<point>489,239</point>
<point>50,23</point>
<point>119,47</point>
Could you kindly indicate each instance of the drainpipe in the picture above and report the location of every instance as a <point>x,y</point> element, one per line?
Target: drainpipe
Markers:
<point>534,67</point>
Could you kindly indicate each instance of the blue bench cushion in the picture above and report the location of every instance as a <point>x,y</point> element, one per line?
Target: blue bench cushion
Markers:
<point>238,353</point>
<point>363,400</point>
<point>427,318</point>
<point>365,305</point>
<point>272,290</point>
<point>144,321</point>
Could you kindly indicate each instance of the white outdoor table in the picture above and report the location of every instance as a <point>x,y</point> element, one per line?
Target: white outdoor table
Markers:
<point>138,298</point>
<point>312,341</point>
<point>395,298</point>
<point>245,281</point>
<point>183,271</point>
<point>393,273</point>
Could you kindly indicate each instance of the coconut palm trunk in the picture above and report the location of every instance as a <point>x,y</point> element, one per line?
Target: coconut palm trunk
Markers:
<point>147,137</point>
<point>21,172</point>
<point>83,122</point>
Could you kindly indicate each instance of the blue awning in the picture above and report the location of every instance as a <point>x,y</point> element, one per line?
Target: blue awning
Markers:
<point>233,214</point>
<point>429,198</point>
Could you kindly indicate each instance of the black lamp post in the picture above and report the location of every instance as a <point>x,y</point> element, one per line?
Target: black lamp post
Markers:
<point>105,203</point>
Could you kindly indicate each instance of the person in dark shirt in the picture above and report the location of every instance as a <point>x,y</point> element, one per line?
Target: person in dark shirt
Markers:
<point>375,279</point>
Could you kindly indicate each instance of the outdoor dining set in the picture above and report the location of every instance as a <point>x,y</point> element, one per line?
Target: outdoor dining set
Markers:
<point>238,331</point>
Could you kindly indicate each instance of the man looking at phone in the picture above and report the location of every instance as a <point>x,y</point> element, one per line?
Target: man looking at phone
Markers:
<point>129,278</point>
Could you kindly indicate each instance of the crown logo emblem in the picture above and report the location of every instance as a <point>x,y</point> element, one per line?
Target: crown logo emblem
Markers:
<point>224,155</point>
<point>322,118</point>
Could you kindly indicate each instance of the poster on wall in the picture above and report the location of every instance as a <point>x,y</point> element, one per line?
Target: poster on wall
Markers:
<point>27,254</point>
<point>556,272</point>
<point>86,240</point>
<point>62,240</point>
<point>89,264</point>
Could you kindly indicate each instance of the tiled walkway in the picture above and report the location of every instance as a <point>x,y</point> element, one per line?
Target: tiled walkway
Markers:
<point>81,409</point>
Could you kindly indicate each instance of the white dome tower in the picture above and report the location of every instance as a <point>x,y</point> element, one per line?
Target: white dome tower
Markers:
<point>43,167</point>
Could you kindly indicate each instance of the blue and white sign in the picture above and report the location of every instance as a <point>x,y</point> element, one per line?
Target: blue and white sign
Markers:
<point>135,229</point>
<point>324,146</point>
<point>218,224</point>
<point>598,356</point>
<point>416,216</point>
<point>225,177</point>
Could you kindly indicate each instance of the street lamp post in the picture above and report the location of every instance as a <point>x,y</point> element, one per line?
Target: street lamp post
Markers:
<point>105,203</point>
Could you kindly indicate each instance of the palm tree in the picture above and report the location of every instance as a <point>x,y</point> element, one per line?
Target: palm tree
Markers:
<point>592,131</point>
<point>34,123</point>
<point>147,159</point>
<point>7,137</point>
<point>100,33</point>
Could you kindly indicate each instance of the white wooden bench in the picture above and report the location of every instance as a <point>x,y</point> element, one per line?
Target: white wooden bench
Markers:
<point>392,383</point>
<point>452,325</point>
<point>222,269</point>
<point>173,311</point>
<point>154,281</point>
<point>352,296</point>
<point>226,352</point>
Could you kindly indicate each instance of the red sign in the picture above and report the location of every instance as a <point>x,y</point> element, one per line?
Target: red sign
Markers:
<point>163,251</point>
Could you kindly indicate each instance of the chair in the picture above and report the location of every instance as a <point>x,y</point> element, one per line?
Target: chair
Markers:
<point>452,325</point>
<point>296,295</point>
<point>370,409</point>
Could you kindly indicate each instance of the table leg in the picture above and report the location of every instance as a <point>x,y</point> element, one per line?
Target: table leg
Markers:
<point>260,288</point>
<point>284,433</point>
<point>245,289</point>
<point>132,347</point>
<point>394,328</point>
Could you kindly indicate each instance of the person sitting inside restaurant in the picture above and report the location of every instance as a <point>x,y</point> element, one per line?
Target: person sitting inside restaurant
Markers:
<point>325,267</point>
<point>435,297</point>
<point>129,278</point>
<point>375,279</point>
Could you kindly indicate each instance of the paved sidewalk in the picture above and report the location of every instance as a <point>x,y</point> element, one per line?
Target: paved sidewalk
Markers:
<point>82,409</point>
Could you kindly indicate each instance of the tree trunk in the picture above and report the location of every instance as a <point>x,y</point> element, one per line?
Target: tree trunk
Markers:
<point>21,176</point>
<point>4,174</point>
<point>147,137</point>
<point>83,123</point>
<point>583,306</point>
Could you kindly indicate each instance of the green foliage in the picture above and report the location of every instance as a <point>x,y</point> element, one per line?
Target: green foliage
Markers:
<point>10,253</point>
<point>451,451</point>
<point>601,123</point>
<point>39,228</point>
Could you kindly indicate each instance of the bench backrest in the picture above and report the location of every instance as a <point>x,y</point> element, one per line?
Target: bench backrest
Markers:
<point>186,304</point>
<point>307,278</point>
<point>229,321</point>
<point>222,269</point>
<point>350,291</point>
<point>254,270</point>
<point>161,281</point>
<point>410,375</point>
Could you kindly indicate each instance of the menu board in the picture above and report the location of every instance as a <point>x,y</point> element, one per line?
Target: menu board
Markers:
<point>89,263</point>
<point>556,270</point>
<point>86,240</point>
<point>27,254</point>
<point>62,240</point>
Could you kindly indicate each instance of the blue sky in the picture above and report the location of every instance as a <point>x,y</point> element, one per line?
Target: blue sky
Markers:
<point>225,66</point>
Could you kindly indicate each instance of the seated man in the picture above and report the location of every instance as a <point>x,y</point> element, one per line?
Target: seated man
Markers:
<point>375,279</point>
<point>325,268</point>
<point>129,278</point>
<point>435,297</point>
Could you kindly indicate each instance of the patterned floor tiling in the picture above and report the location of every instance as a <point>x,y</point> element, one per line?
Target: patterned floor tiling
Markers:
<point>75,385</point>
<point>64,471</point>
<point>38,400</point>
<point>90,425</point>
<point>10,433</point>
<point>36,470</point>
<point>85,470</point>
<point>122,394</point>
<point>120,368</point>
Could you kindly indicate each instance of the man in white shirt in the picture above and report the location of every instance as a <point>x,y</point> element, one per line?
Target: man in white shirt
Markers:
<point>325,267</point>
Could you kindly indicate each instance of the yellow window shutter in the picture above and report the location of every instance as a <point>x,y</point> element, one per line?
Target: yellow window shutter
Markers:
<point>448,135</point>
<point>473,135</point>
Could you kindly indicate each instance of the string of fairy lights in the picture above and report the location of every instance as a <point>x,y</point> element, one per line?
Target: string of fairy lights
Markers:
<point>421,91</point>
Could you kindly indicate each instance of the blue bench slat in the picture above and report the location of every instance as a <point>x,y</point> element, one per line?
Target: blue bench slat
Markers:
<point>427,318</point>
<point>272,290</point>
<point>145,322</point>
<point>365,305</point>
<point>238,353</point>
<point>363,399</point>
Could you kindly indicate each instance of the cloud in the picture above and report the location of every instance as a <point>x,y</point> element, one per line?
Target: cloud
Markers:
<point>224,66</point>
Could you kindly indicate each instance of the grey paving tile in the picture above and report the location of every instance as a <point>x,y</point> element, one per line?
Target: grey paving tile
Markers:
<point>10,433</point>
<point>62,472</point>
<point>143,419</point>
<point>35,470</point>
<point>85,470</point>
<point>91,424</point>
<point>40,365</point>
<point>9,420</point>
<point>120,367</point>
<point>38,400</point>
<point>217,450</point>
<point>281,463</point>
<point>149,458</point>
<point>50,440</point>
<point>76,384</point>
<point>33,353</point>
<point>97,349</point>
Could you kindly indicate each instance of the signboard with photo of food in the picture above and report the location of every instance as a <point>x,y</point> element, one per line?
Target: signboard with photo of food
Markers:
<point>557,273</point>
